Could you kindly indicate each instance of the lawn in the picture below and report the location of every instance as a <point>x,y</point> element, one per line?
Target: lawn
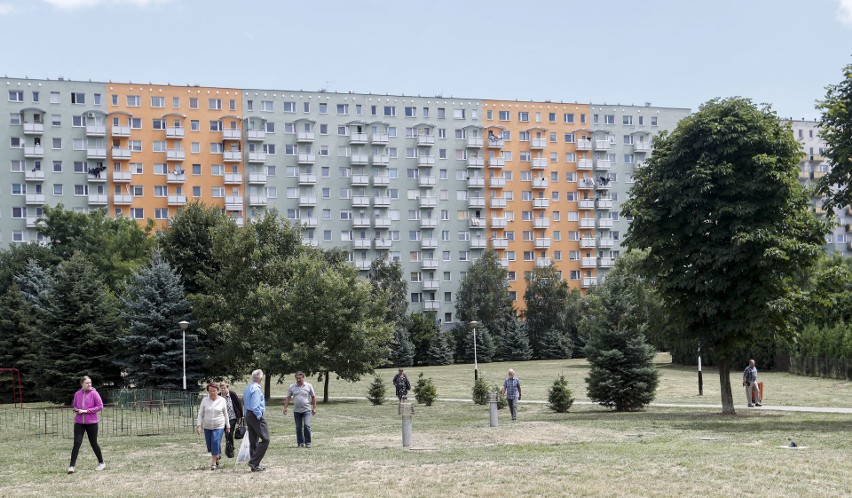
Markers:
<point>588,451</point>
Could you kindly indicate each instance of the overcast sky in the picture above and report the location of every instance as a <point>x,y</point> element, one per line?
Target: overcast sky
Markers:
<point>674,53</point>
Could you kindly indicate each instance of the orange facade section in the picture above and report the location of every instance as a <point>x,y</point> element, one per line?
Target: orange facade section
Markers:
<point>537,200</point>
<point>170,145</point>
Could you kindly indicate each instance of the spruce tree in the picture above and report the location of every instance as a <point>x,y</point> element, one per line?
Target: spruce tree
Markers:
<point>152,354</point>
<point>440,349</point>
<point>19,340</point>
<point>79,329</point>
<point>485,347</point>
<point>516,345</point>
<point>555,344</point>
<point>401,349</point>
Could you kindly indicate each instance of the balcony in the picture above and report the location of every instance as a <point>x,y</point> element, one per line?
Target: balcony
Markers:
<point>587,222</point>
<point>234,202</point>
<point>122,199</point>
<point>475,162</point>
<point>428,223</point>
<point>603,164</point>
<point>476,183</point>
<point>542,262</point>
<point>588,243</point>
<point>539,163</point>
<point>476,202</point>
<point>538,144</point>
<point>496,162</point>
<point>426,161</point>
<point>500,243</point>
<point>307,179</point>
<point>379,139</point>
<point>361,222</point>
<point>606,242</point>
<point>589,263</point>
<point>120,153</point>
<point>381,159</point>
<point>98,199</point>
<point>121,131</point>
<point>310,222</point>
<point>641,147</point>
<point>362,243</point>
<point>383,244</point>
<point>475,142</point>
<point>35,199</point>
<point>358,139</point>
<point>305,158</point>
<point>604,203</point>
<point>431,305</point>
<point>381,181</point>
<point>497,202</point>
<point>541,222</point>
<point>539,183</point>
<point>605,262</point>
<point>175,177</point>
<point>478,243</point>
<point>504,262</point>
<point>305,137</point>
<point>602,144</point>
<point>233,179</point>
<point>586,204</point>
<point>257,179</point>
<point>363,264</point>
<point>177,200</point>
<point>34,175</point>
<point>257,157</point>
<point>584,145</point>
<point>603,185</point>
<point>357,180</point>
<point>541,203</point>
<point>256,135</point>
<point>359,159</point>
<point>179,132</point>
<point>585,164</point>
<point>307,200</point>
<point>310,242</point>
<point>475,223</point>
<point>604,223</point>
<point>257,200</point>
<point>426,181</point>
<point>429,243</point>
<point>382,201</point>
<point>33,128</point>
<point>382,222</point>
<point>361,201</point>
<point>175,155</point>
<point>542,243</point>
<point>239,220</point>
<point>232,156</point>
<point>498,222</point>
<point>230,134</point>
<point>121,176</point>
<point>586,184</point>
<point>431,285</point>
<point>495,182</point>
<point>427,201</point>
<point>91,153</point>
<point>495,143</point>
<point>95,130</point>
<point>425,140</point>
<point>32,221</point>
<point>94,176</point>
<point>589,282</point>
<point>429,264</point>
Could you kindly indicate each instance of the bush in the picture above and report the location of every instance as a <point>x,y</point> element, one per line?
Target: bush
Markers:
<point>425,391</point>
<point>502,402</point>
<point>559,396</point>
<point>376,393</point>
<point>480,391</point>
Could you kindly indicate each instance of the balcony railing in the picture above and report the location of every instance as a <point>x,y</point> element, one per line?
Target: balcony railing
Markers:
<point>305,158</point>
<point>231,134</point>
<point>257,178</point>
<point>305,136</point>
<point>232,156</point>
<point>475,142</point>
<point>475,162</point>
<point>496,162</point>
<point>176,132</point>
<point>358,138</point>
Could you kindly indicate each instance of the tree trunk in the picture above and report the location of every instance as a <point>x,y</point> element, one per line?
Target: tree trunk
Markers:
<point>325,388</point>
<point>267,387</point>
<point>725,382</point>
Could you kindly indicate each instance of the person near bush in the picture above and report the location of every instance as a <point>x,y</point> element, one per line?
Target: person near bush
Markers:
<point>512,391</point>
<point>750,383</point>
<point>87,403</point>
<point>254,407</point>
<point>235,414</point>
<point>400,381</point>
<point>213,417</point>
<point>304,406</point>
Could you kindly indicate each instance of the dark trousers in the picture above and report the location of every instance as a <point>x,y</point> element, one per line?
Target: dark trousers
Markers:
<point>258,434</point>
<point>91,431</point>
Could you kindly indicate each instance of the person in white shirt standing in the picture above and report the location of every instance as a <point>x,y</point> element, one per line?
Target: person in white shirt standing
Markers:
<point>213,417</point>
<point>304,406</point>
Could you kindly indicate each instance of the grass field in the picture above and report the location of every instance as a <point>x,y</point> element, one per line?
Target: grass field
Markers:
<point>588,451</point>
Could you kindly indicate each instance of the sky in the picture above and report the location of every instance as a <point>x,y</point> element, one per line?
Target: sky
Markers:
<point>672,53</point>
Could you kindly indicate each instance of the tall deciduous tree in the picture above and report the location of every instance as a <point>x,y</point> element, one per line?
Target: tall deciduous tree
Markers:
<point>188,241</point>
<point>836,130</point>
<point>80,329</point>
<point>152,354</point>
<point>484,296</point>
<point>335,321</point>
<point>727,224</point>
<point>546,298</point>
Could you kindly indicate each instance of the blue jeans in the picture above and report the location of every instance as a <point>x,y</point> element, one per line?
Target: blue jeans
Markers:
<point>213,438</point>
<point>303,423</point>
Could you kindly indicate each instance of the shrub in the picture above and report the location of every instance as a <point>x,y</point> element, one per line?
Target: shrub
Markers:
<point>480,391</point>
<point>425,391</point>
<point>376,393</point>
<point>502,402</point>
<point>559,396</point>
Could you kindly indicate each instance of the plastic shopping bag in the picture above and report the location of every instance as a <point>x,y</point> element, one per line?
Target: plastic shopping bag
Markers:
<point>245,451</point>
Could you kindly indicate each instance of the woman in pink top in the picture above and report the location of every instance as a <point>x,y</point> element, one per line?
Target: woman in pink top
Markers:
<point>87,403</point>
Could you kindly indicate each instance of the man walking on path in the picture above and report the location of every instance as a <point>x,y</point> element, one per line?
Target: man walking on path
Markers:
<point>258,432</point>
<point>304,406</point>
<point>512,389</point>
<point>750,383</point>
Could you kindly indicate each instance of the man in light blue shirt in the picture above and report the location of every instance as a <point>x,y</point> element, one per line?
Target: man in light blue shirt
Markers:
<point>254,406</point>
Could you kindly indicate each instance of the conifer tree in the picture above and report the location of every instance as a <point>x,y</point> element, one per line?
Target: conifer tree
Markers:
<point>516,345</point>
<point>18,339</point>
<point>401,349</point>
<point>440,349</point>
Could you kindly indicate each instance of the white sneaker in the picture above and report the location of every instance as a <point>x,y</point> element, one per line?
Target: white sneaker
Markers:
<point>101,466</point>
<point>71,470</point>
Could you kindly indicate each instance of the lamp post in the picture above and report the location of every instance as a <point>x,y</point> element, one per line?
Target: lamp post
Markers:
<point>183,325</point>
<point>700,380</point>
<point>475,324</point>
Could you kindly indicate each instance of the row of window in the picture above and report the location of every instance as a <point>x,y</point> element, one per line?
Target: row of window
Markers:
<point>55,97</point>
<point>568,118</point>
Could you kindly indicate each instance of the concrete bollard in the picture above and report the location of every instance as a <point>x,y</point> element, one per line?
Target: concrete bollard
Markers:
<point>406,411</point>
<point>492,408</point>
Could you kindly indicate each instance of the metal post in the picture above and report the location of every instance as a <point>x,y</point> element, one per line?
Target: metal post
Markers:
<point>475,364</point>
<point>183,325</point>
<point>700,380</point>
<point>406,410</point>
<point>492,408</point>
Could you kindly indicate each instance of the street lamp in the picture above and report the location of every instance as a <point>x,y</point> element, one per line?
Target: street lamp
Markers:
<point>183,325</point>
<point>475,324</point>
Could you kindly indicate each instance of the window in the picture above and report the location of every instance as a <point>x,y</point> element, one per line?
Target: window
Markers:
<point>57,143</point>
<point>323,108</point>
<point>609,119</point>
<point>195,125</point>
<point>627,120</point>
<point>78,98</point>
<point>214,104</point>
<point>55,120</point>
<point>523,116</point>
<point>136,123</point>
<point>458,114</point>
<point>653,120</point>
<point>217,192</point>
<point>16,96</point>
<point>389,110</point>
<point>343,109</point>
<point>133,100</point>
<point>158,102</point>
<point>193,102</point>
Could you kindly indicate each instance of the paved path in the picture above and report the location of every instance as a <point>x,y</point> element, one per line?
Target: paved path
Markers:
<point>814,409</point>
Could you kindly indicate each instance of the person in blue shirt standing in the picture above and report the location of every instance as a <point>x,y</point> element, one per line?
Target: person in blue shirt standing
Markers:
<point>254,405</point>
<point>512,389</point>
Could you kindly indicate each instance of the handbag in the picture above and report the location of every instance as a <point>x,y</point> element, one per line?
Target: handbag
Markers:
<point>229,449</point>
<point>240,431</point>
